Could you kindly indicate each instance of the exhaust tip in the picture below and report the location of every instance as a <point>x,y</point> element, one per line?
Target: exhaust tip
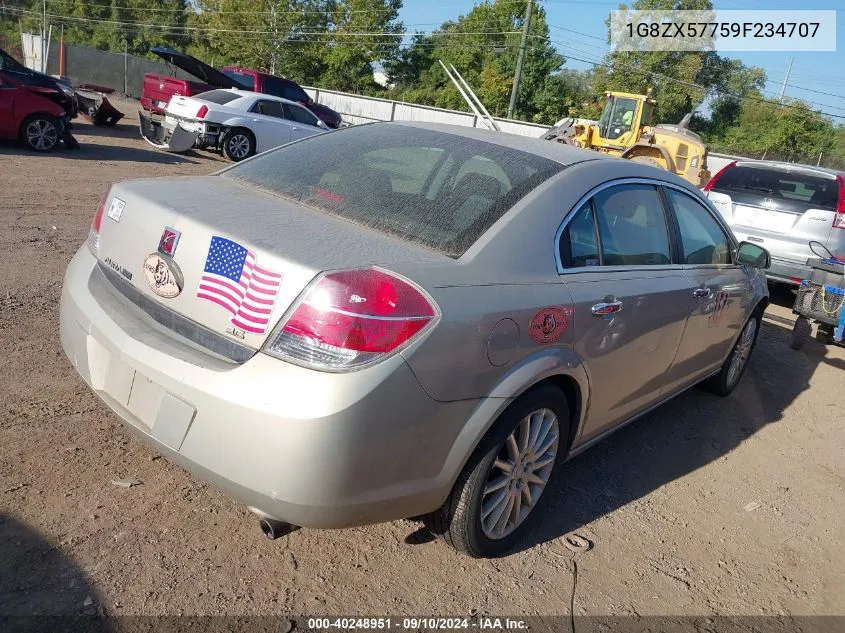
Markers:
<point>273,529</point>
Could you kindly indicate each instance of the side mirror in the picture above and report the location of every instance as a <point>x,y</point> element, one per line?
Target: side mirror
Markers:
<point>322,124</point>
<point>752,255</point>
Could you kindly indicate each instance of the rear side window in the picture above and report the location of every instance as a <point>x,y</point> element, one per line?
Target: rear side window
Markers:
<point>220,97</point>
<point>632,226</point>
<point>268,108</point>
<point>624,225</point>
<point>247,80</point>
<point>790,190</point>
<point>423,186</point>
<point>579,244</point>
<point>702,239</point>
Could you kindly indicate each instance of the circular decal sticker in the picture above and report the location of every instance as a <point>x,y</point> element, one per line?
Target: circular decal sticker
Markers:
<point>548,324</point>
<point>163,276</point>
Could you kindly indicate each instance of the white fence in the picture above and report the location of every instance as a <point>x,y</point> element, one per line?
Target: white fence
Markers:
<point>358,109</point>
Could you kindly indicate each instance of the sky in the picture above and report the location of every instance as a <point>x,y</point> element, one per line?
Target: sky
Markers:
<point>577,29</point>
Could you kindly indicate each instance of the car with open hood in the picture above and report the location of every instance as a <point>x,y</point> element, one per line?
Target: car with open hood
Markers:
<point>52,88</point>
<point>30,117</point>
<point>159,89</point>
<point>404,320</point>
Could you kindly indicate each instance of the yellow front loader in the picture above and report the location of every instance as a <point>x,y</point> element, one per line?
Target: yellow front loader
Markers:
<point>626,129</point>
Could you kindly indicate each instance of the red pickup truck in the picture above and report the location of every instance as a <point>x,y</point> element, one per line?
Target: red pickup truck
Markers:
<point>159,88</point>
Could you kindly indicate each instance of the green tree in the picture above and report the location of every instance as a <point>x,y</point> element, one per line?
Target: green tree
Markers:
<point>362,32</point>
<point>483,46</point>
<point>283,37</point>
<point>682,80</point>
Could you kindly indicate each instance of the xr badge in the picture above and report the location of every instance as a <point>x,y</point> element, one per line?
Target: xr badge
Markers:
<point>169,240</point>
<point>549,324</point>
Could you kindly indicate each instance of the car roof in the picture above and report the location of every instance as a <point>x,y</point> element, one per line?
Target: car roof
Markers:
<point>551,150</point>
<point>257,95</point>
<point>783,165</point>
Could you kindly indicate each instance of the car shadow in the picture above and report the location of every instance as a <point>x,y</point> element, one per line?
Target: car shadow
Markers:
<point>679,437</point>
<point>122,129</point>
<point>41,588</point>
<point>98,152</point>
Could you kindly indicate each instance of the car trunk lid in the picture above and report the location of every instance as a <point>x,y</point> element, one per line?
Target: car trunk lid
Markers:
<point>196,68</point>
<point>184,108</point>
<point>242,256</point>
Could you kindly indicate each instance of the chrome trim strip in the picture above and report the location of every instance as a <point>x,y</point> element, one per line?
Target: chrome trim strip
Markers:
<point>194,332</point>
<point>631,181</point>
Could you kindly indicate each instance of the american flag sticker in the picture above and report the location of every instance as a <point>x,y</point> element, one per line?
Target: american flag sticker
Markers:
<point>233,280</point>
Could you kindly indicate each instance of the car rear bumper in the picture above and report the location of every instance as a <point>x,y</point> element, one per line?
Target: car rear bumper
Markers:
<point>311,448</point>
<point>788,271</point>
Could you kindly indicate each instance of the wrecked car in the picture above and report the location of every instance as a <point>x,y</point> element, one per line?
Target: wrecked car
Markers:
<point>239,123</point>
<point>159,89</point>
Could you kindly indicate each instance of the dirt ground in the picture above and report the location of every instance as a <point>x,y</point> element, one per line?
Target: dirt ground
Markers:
<point>707,506</point>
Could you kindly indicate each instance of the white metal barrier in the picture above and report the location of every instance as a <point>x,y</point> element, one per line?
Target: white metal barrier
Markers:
<point>357,109</point>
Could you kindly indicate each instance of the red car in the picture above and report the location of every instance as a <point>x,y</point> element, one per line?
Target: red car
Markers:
<point>34,119</point>
<point>159,88</point>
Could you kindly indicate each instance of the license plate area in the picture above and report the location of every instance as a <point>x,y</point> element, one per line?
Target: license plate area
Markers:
<point>766,219</point>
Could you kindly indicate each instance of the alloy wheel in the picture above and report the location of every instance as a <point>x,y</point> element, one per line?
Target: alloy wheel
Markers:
<point>741,352</point>
<point>520,473</point>
<point>239,146</point>
<point>42,134</point>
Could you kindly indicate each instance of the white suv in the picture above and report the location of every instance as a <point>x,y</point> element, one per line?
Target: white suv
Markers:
<point>782,207</point>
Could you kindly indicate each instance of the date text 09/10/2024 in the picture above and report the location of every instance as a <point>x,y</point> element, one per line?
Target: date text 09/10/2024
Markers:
<point>416,623</point>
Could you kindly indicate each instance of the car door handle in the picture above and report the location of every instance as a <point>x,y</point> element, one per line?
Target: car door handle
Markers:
<point>601,309</point>
<point>701,293</point>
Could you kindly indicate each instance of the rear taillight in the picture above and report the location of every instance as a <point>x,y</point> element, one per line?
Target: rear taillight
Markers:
<point>349,319</point>
<point>202,112</point>
<point>839,218</point>
<point>97,223</point>
<point>718,175</point>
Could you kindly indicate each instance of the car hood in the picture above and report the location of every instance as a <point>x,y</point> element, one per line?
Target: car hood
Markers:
<point>195,67</point>
<point>325,113</point>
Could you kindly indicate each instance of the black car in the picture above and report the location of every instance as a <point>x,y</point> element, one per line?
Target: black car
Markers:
<point>54,89</point>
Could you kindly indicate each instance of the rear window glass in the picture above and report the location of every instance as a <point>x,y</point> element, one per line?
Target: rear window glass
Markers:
<point>790,189</point>
<point>245,79</point>
<point>220,97</point>
<point>434,189</point>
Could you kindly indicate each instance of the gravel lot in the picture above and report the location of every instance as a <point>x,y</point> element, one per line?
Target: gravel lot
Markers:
<point>707,506</point>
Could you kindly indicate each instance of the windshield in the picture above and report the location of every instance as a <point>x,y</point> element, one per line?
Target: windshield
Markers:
<point>434,189</point>
<point>617,117</point>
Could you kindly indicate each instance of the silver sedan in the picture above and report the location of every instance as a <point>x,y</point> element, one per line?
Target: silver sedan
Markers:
<point>405,320</point>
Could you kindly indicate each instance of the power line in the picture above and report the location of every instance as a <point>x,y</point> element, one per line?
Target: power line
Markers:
<point>698,86</point>
<point>334,35</point>
<point>61,18</point>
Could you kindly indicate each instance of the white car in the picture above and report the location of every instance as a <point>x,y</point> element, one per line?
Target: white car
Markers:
<point>238,122</point>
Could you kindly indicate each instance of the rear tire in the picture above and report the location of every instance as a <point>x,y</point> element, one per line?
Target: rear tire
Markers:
<point>40,132</point>
<point>801,332</point>
<point>533,452</point>
<point>723,383</point>
<point>238,144</point>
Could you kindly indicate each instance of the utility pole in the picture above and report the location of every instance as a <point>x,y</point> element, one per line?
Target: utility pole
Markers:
<point>786,79</point>
<point>44,36</point>
<point>517,77</point>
